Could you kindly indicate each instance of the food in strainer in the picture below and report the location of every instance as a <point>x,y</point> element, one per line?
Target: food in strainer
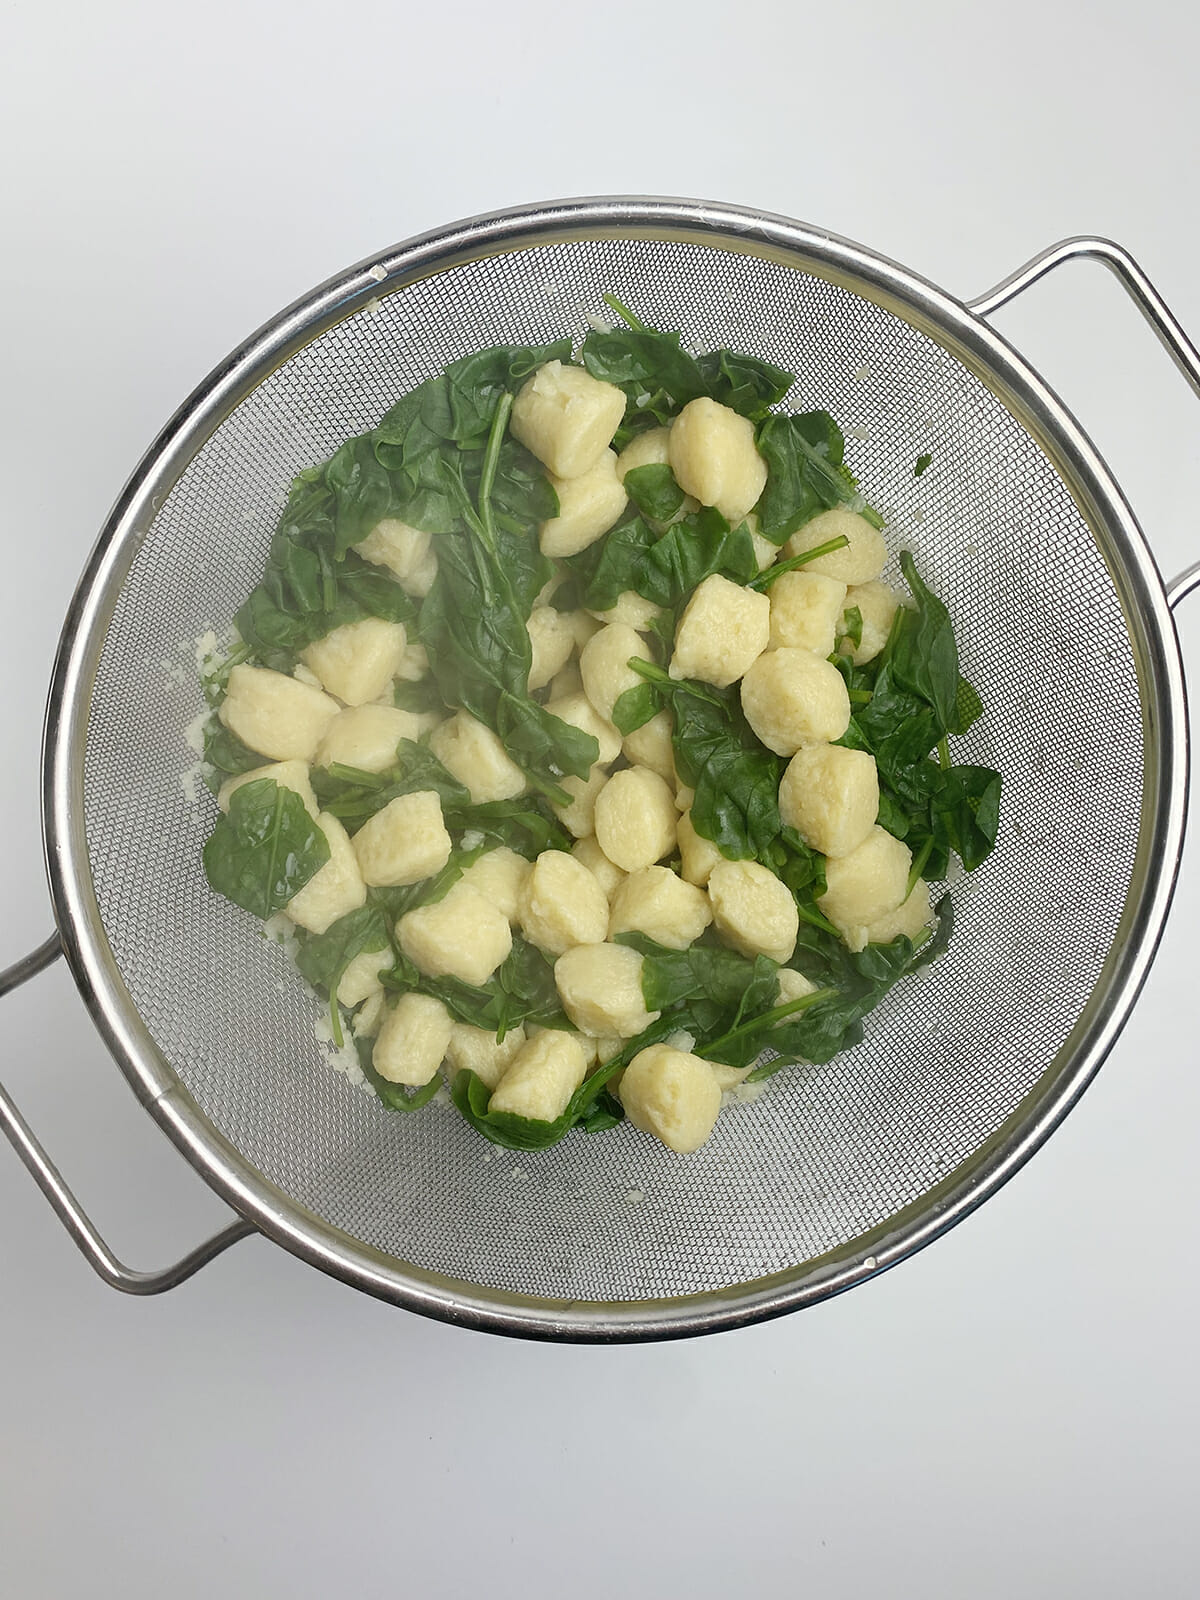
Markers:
<point>575,730</point>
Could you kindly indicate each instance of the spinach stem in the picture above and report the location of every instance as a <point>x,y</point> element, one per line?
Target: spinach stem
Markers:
<point>860,697</point>
<point>767,578</point>
<point>335,1020</point>
<point>918,867</point>
<point>943,750</point>
<point>628,317</point>
<point>768,1019</point>
<point>553,792</point>
<point>811,915</point>
<point>491,458</point>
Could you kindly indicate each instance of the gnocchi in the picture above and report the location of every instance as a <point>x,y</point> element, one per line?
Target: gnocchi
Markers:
<point>792,697</point>
<point>474,755</point>
<point>274,714</point>
<point>877,606</point>
<point>561,904</point>
<point>673,1095</point>
<point>806,608</point>
<point>588,506</point>
<point>658,902</point>
<point>567,418</point>
<point>722,632</point>
<point>412,1040</point>
<point>478,1050</point>
<point>865,886</point>
<point>860,560</point>
<point>713,456</point>
<point>366,737</point>
<point>543,1076</point>
<point>604,666</point>
<point>460,936</point>
<point>830,795</point>
<point>406,552</point>
<point>753,910</point>
<point>336,889</point>
<point>357,661</point>
<point>404,842</point>
<point>635,820</point>
<point>600,986</point>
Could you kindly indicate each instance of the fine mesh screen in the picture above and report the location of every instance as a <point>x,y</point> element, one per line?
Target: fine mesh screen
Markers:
<point>825,1154</point>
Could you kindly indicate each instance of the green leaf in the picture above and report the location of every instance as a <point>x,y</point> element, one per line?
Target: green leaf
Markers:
<point>922,654</point>
<point>641,360</point>
<point>710,972</point>
<point>852,626</point>
<point>922,463</point>
<point>968,707</point>
<point>323,957</point>
<point>225,752</point>
<point>352,795</point>
<point>805,473</point>
<point>736,778</point>
<point>522,991</point>
<point>744,383</point>
<point>265,849</point>
<point>654,491</point>
<point>635,707</point>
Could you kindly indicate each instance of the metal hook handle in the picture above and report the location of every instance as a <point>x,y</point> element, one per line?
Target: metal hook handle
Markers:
<point>1149,302</point>
<point>70,1213</point>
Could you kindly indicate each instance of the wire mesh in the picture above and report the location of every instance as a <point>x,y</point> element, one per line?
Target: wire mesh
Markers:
<point>825,1154</point>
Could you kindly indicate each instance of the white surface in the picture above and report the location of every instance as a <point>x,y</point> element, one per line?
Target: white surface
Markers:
<point>1013,1412</point>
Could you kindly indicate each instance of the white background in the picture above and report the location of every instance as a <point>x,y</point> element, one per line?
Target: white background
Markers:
<point>1014,1411</point>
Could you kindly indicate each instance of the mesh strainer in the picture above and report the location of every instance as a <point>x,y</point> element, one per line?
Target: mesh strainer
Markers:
<point>843,1171</point>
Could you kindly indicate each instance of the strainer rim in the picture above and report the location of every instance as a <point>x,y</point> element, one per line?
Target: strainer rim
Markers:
<point>954,326</point>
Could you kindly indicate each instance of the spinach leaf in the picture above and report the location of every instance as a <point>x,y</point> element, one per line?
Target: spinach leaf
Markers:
<point>609,566</point>
<point>460,405</point>
<point>522,990</point>
<point>226,753</point>
<point>664,568</point>
<point>745,383</point>
<point>966,812</point>
<point>736,778</point>
<point>704,971</point>
<point>323,958</point>
<point>265,849</point>
<point>968,707</point>
<point>803,477</point>
<point>352,795</point>
<point>922,464</point>
<point>642,360</point>
<point>654,491</point>
<point>861,980</point>
<point>395,1096</point>
<point>473,625</point>
<point>852,626</point>
<point>527,826</point>
<point>362,490</point>
<point>922,654</point>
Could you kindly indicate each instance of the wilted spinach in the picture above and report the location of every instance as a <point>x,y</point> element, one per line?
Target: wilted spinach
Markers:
<point>736,778</point>
<point>806,473</point>
<point>265,849</point>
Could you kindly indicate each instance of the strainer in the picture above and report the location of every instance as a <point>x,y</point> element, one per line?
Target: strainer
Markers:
<point>844,1170</point>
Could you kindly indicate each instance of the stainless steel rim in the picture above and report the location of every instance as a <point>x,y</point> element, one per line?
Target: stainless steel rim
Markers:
<point>954,326</point>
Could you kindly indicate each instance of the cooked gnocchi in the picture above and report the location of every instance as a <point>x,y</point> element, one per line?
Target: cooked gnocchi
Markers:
<point>569,775</point>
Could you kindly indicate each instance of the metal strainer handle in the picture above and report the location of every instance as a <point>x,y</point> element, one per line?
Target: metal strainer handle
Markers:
<point>1148,301</point>
<point>70,1213</point>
